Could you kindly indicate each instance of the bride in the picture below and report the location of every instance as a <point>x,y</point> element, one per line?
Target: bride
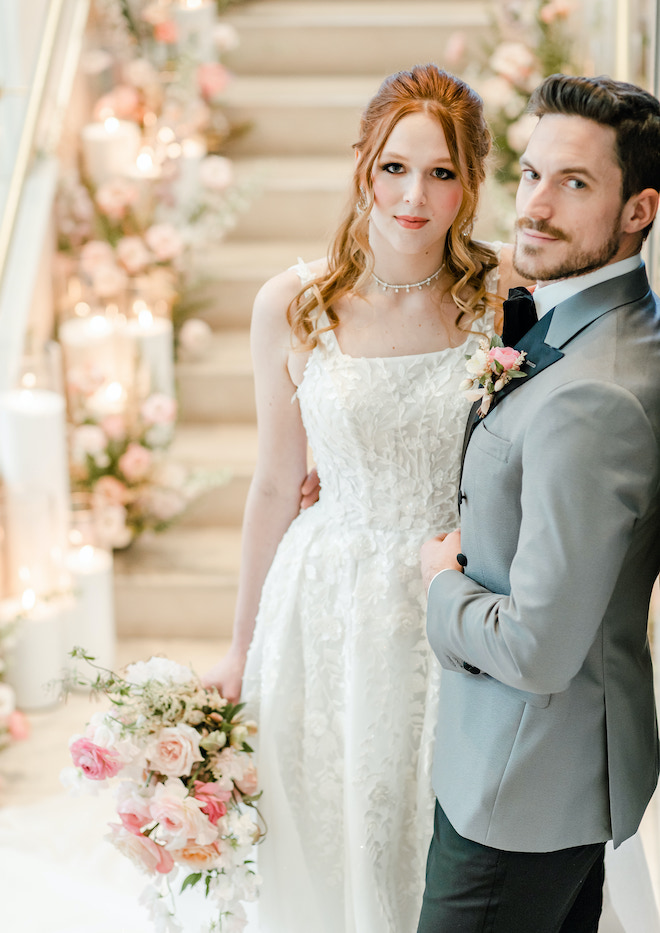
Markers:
<point>361,356</point>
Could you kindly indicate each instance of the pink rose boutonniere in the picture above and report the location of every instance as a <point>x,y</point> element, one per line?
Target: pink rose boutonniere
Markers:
<point>491,368</point>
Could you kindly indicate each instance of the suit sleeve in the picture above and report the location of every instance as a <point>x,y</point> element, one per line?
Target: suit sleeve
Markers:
<point>589,474</point>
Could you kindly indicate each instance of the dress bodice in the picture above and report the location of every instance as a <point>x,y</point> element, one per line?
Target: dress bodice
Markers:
<point>386,432</point>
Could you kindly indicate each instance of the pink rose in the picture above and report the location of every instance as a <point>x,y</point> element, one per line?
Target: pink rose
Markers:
<point>164,241</point>
<point>97,763</point>
<point>133,254</point>
<point>248,784</point>
<point>142,850</point>
<point>108,280</point>
<point>179,817</point>
<point>173,750</point>
<point>214,799</point>
<point>134,813</point>
<point>212,78</point>
<point>196,856</point>
<point>111,491</point>
<point>555,9</point>
<point>507,357</point>
<point>114,427</point>
<point>135,462</point>
<point>18,725</point>
<point>94,254</point>
<point>166,32</point>
<point>162,504</point>
<point>114,198</point>
<point>159,408</point>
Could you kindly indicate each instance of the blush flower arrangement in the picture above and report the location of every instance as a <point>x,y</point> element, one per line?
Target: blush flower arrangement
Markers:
<point>491,368</point>
<point>122,462</point>
<point>186,789</point>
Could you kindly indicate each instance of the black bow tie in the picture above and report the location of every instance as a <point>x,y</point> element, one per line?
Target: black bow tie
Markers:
<point>519,315</point>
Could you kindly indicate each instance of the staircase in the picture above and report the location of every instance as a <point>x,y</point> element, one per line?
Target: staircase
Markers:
<point>304,71</point>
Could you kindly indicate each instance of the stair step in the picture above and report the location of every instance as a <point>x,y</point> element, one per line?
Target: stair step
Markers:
<point>240,268</point>
<point>184,580</point>
<point>217,446</point>
<point>220,386</point>
<point>348,38</point>
<point>289,115</point>
<point>293,196</point>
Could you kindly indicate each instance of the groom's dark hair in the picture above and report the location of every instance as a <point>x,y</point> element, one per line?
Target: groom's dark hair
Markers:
<point>632,112</point>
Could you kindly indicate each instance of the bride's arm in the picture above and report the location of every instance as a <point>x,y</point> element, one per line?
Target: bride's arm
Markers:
<point>274,497</point>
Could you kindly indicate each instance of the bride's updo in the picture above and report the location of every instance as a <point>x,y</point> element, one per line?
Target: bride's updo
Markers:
<point>459,111</point>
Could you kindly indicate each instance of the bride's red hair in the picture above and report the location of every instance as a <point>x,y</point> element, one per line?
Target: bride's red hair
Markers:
<point>459,111</point>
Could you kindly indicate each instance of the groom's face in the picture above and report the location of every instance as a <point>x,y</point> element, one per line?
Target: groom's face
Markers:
<point>569,201</point>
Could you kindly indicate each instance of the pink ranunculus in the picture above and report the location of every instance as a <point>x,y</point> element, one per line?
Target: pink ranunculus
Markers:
<point>197,857</point>
<point>507,357</point>
<point>135,462</point>
<point>114,198</point>
<point>212,79</point>
<point>97,763</point>
<point>142,851</point>
<point>248,784</point>
<point>114,427</point>
<point>214,797</point>
<point>174,750</point>
<point>164,241</point>
<point>515,61</point>
<point>159,408</point>
<point>111,491</point>
<point>132,254</point>
<point>94,254</point>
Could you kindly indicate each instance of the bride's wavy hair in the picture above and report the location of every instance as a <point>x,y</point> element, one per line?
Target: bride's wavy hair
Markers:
<point>459,111</point>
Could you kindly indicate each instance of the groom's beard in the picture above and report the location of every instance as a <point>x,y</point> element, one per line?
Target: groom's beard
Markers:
<point>578,262</point>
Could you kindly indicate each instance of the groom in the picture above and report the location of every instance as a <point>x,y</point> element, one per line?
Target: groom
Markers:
<point>547,743</point>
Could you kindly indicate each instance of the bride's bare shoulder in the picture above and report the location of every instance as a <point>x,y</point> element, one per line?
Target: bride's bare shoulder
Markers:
<point>277,293</point>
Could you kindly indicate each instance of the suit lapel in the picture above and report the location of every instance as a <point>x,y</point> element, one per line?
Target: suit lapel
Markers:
<point>539,357</point>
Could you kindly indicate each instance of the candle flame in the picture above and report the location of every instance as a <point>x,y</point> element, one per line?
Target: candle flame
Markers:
<point>111,124</point>
<point>114,391</point>
<point>28,599</point>
<point>145,160</point>
<point>86,553</point>
<point>29,380</point>
<point>145,318</point>
<point>192,4</point>
<point>99,325</point>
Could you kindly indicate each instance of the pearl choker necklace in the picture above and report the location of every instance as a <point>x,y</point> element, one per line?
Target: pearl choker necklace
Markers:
<point>419,285</point>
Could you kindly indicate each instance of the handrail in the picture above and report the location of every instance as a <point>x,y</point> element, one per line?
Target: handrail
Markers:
<point>26,142</point>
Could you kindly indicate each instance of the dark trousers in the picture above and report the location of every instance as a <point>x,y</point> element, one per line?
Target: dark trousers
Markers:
<point>472,888</point>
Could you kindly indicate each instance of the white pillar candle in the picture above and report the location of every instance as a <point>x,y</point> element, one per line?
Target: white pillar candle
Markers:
<point>154,336</point>
<point>193,152</point>
<point>34,465</point>
<point>98,351</point>
<point>109,148</point>
<point>195,22</point>
<point>93,618</point>
<point>36,660</point>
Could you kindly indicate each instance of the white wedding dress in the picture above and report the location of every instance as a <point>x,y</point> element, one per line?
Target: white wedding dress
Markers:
<point>340,675</point>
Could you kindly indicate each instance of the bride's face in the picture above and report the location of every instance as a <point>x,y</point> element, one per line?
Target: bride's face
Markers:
<point>417,192</point>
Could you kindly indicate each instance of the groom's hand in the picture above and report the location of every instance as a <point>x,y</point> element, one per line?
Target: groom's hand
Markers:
<point>440,554</point>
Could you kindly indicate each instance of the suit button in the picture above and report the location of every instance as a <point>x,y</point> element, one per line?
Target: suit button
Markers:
<point>470,668</point>
<point>461,498</point>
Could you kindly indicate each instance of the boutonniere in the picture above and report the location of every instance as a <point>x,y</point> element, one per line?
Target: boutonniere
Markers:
<point>491,368</point>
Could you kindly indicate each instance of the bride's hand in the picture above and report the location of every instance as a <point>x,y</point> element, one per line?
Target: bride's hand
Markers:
<point>227,675</point>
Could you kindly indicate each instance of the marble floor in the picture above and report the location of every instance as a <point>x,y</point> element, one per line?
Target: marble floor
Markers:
<point>29,779</point>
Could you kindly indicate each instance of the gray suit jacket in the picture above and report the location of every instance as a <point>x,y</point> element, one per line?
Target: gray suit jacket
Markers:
<point>555,743</point>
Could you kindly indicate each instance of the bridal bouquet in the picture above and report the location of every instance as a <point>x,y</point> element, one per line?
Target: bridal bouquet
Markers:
<point>185,784</point>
